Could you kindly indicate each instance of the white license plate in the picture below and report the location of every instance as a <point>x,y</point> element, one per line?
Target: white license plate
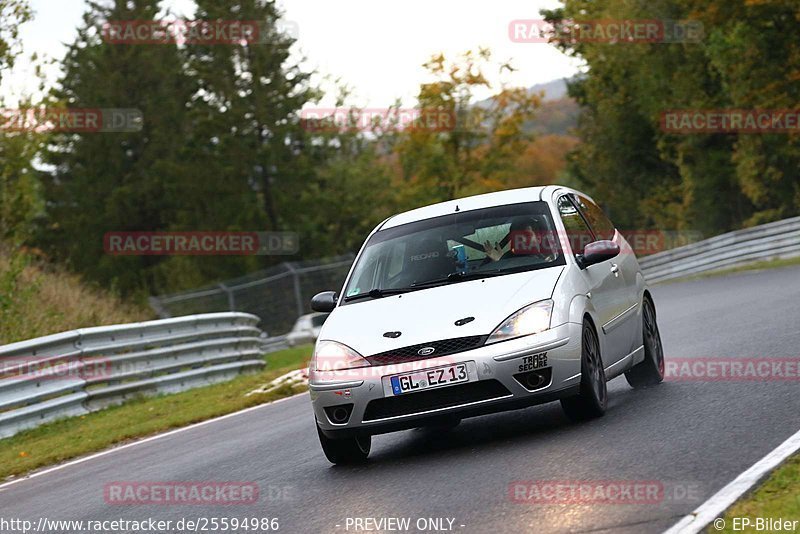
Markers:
<point>429,378</point>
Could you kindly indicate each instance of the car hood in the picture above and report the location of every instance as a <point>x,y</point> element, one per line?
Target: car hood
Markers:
<point>430,314</point>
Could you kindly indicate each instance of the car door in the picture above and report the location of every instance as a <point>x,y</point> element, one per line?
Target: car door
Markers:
<point>625,265</point>
<point>606,286</point>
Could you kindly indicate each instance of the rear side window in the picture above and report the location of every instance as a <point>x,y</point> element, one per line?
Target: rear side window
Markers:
<point>602,226</point>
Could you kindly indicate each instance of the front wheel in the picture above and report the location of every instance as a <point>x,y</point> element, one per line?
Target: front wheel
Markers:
<point>649,371</point>
<point>592,398</point>
<point>351,450</point>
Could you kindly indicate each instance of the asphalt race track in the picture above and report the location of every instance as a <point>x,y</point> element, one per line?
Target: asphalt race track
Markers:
<point>691,437</point>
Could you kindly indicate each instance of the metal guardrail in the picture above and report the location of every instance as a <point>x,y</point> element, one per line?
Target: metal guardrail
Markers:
<point>76,372</point>
<point>776,240</point>
<point>273,344</point>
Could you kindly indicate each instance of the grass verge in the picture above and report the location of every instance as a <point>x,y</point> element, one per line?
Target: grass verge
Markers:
<point>77,436</point>
<point>37,299</point>
<point>777,498</point>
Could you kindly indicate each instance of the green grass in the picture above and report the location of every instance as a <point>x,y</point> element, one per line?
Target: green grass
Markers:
<point>777,498</point>
<point>760,265</point>
<point>77,436</point>
<point>37,299</point>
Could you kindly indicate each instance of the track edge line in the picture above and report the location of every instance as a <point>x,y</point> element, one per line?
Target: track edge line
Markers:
<point>724,498</point>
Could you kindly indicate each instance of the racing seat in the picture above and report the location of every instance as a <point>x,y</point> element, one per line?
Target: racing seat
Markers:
<point>427,259</point>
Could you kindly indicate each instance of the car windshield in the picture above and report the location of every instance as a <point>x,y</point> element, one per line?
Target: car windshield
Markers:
<point>456,247</point>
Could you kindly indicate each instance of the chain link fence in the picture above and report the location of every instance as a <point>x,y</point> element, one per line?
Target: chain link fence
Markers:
<point>278,295</point>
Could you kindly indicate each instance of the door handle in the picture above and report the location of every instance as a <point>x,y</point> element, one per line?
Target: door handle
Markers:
<point>614,268</point>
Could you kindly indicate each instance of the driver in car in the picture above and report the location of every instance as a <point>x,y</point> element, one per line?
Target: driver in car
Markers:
<point>528,229</point>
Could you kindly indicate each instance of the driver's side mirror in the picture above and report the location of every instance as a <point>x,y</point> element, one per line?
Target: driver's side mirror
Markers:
<point>324,302</point>
<point>598,252</point>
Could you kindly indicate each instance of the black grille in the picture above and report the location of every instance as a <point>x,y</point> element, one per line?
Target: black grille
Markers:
<point>445,397</point>
<point>442,348</point>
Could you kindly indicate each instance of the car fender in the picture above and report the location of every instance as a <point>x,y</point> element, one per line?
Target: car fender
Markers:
<point>581,306</point>
<point>641,287</point>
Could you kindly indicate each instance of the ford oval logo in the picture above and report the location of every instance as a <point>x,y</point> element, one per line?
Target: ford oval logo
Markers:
<point>426,351</point>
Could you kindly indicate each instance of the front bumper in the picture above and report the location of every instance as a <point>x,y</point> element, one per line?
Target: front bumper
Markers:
<point>372,409</point>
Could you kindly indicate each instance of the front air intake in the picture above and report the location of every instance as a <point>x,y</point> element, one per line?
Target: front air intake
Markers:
<point>442,347</point>
<point>339,414</point>
<point>412,403</point>
<point>533,380</point>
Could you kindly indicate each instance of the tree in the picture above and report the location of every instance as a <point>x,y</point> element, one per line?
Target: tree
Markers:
<point>477,154</point>
<point>542,162</point>
<point>13,13</point>
<point>242,161</point>
<point>20,192</point>
<point>712,182</point>
<point>353,185</point>
<point>245,110</point>
<point>753,48</point>
<point>105,181</point>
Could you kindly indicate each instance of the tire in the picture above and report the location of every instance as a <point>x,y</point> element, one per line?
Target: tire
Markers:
<point>592,399</point>
<point>345,451</point>
<point>649,371</point>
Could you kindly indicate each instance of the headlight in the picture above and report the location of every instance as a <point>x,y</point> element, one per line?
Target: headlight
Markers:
<point>531,319</point>
<point>334,356</point>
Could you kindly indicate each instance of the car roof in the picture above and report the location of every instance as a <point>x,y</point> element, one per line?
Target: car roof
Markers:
<point>499,198</point>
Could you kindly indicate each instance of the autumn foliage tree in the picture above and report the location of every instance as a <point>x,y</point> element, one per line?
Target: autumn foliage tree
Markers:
<point>478,152</point>
<point>747,58</point>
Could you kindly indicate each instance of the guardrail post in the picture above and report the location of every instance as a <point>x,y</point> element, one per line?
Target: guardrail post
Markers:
<point>297,293</point>
<point>229,293</point>
<point>155,303</point>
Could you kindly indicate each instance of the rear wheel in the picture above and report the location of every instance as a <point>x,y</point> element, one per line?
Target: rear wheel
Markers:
<point>592,399</point>
<point>351,450</point>
<point>649,371</point>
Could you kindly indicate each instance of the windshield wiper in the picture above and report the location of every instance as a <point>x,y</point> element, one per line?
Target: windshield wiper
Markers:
<point>379,293</point>
<point>449,279</point>
<point>459,276</point>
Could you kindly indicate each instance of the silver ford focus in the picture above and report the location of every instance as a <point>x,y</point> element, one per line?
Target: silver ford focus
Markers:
<point>478,305</point>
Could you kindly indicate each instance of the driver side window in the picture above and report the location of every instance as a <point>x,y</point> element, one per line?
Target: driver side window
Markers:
<point>578,232</point>
<point>600,223</point>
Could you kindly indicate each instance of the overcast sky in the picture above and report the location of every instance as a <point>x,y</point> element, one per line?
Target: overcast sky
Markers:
<point>376,46</point>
